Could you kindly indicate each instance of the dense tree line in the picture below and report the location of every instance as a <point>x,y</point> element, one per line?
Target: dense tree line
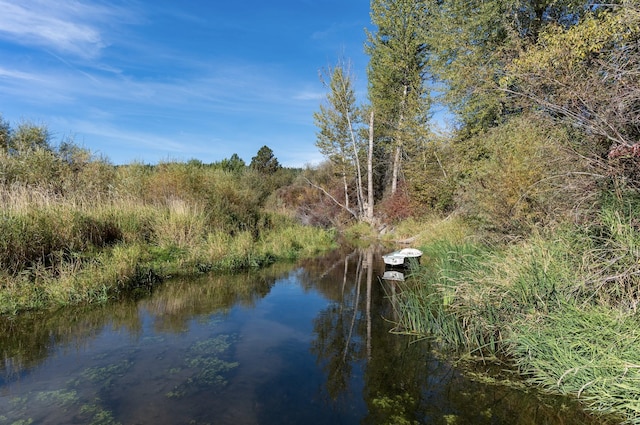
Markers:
<point>543,152</point>
<point>232,192</point>
<point>543,97</point>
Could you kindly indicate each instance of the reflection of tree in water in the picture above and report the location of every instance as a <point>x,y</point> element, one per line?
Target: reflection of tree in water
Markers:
<point>28,339</point>
<point>351,333</point>
<point>335,343</point>
<point>404,383</point>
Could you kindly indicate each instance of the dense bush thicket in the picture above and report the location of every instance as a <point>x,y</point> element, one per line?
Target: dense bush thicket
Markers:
<point>543,112</point>
<point>541,162</point>
<point>74,227</point>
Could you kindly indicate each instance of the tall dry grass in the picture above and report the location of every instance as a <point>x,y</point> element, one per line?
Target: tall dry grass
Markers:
<point>62,243</point>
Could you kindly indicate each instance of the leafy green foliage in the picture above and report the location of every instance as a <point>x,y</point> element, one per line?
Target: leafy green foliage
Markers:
<point>471,42</point>
<point>586,75</point>
<point>234,164</point>
<point>27,138</point>
<point>545,155</point>
<point>467,41</point>
<point>397,90</point>
<point>398,59</point>
<point>431,179</point>
<point>513,175</point>
<point>265,161</point>
<point>5,134</point>
<point>337,119</point>
<point>339,139</point>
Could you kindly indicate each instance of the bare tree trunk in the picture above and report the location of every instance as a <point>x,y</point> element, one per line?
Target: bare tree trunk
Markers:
<point>359,190</point>
<point>359,275</point>
<point>359,173</point>
<point>396,169</point>
<point>397,157</point>
<point>346,190</point>
<point>368,308</point>
<point>370,171</point>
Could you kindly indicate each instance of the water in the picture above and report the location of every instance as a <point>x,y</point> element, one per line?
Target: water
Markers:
<point>302,345</point>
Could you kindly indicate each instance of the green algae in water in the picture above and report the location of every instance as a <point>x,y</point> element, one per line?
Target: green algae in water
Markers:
<point>450,419</point>
<point>58,397</point>
<point>63,400</point>
<point>208,369</point>
<point>392,410</point>
<point>95,414</point>
<point>105,375</point>
<point>215,345</point>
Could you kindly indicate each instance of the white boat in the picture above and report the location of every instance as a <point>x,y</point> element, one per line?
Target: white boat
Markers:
<point>399,258</point>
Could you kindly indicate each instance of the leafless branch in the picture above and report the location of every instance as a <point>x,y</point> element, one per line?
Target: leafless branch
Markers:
<point>323,190</point>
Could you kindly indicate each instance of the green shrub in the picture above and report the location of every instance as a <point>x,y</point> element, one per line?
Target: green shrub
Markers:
<point>517,176</point>
<point>74,228</point>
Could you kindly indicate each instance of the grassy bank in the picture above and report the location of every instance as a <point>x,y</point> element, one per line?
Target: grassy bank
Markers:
<point>560,306</point>
<point>58,251</point>
<point>128,227</point>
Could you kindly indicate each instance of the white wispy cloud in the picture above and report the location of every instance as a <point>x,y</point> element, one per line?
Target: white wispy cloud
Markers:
<point>227,90</point>
<point>65,26</point>
<point>18,75</point>
<point>124,137</point>
<point>136,98</point>
<point>309,95</point>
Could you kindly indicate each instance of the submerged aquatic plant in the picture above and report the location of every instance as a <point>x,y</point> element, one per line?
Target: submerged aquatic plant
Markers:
<point>94,414</point>
<point>205,366</point>
<point>105,375</point>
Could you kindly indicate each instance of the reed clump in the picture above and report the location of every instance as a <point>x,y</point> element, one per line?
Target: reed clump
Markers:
<point>58,250</point>
<point>590,353</point>
<point>560,305</point>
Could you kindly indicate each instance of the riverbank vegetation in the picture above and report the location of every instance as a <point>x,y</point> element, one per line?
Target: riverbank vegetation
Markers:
<point>535,179</point>
<point>76,229</point>
<point>559,305</point>
<point>541,171</point>
<point>525,202</point>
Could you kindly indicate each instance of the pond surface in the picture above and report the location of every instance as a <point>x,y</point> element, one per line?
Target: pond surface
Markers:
<point>308,344</point>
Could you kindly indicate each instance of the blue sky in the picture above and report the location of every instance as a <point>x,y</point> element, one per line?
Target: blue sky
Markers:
<point>149,81</point>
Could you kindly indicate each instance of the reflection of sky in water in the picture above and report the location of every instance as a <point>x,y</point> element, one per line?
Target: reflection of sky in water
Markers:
<point>279,352</point>
<point>151,377</point>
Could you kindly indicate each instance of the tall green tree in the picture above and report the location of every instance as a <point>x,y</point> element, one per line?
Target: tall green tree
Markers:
<point>472,41</point>
<point>265,161</point>
<point>337,122</point>
<point>339,138</point>
<point>397,70</point>
<point>233,164</point>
